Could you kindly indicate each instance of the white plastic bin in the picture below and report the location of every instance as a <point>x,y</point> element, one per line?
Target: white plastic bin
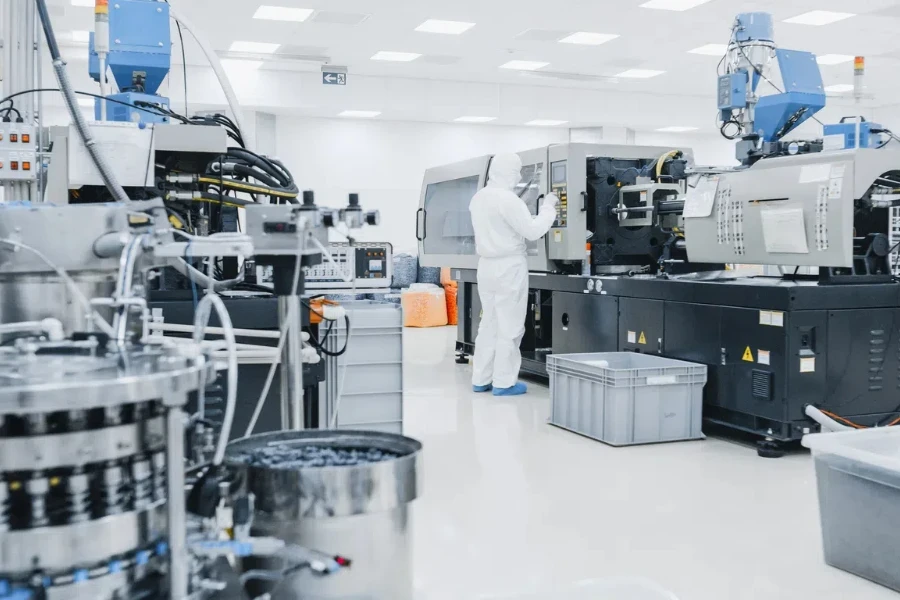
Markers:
<point>625,398</point>
<point>858,475</point>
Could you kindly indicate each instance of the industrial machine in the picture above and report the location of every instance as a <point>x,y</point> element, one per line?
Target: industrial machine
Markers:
<point>675,250</point>
<point>119,244</point>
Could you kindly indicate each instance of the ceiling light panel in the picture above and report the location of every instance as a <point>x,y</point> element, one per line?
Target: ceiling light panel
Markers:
<point>546,123</point>
<point>639,74</point>
<point>834,59</point>
<point>445,27</point>
<point>819,17</point>
<point>396,56</point>
<point>678,5</point>
<point>282,13</point>
<point>474,119</point>
<point>710,50</point>
<point>676,129</point>
<point>586,38</point>
<point>254,47</point>
<point>524,65</point>
<point>839,88</point>
<point>360,114</point>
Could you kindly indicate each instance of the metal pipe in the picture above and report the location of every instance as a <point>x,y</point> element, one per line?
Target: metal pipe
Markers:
<point>291,365</point>
<point>245,333</point>
<point>178,556</point>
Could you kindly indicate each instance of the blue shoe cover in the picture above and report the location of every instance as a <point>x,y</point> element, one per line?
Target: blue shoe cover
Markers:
<point>480,389</point>
<point>516,390</point>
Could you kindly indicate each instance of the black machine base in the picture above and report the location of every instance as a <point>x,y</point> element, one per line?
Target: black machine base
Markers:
<point>771,346</point>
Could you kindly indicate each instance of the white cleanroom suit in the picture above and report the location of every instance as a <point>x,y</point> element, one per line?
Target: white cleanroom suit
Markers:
<point>502,224</point>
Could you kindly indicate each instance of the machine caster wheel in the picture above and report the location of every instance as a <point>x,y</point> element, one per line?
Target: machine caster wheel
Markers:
<point>769,449</point>
<point>462,359</point>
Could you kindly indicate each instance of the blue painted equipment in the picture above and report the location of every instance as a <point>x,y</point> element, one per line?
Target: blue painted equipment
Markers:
<point>761,122</point>
<point>868,133</point>
<point>140,58</point>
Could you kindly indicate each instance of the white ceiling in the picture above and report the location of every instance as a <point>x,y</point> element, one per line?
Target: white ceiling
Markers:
<point>454,68</point>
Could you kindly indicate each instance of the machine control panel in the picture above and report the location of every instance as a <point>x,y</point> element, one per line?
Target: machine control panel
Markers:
<point>559,186</point>
<point>368,265</point>
<point>17,152</point>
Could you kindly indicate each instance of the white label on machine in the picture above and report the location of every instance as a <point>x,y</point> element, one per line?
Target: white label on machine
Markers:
<point>763,357</point>
<point>835,188</point>
<point>815,173</point>
<point>838,170</point>
<point>699,201</point>
<point>662,380</point>
<point>772,318</point>
<point>632,337</point>
<point>808,365</point>
<point>784,230</point>
<point>834,142</point>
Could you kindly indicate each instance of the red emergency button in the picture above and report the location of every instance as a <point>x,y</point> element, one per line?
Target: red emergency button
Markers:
<point>14,165</point>
<point>14,137</point>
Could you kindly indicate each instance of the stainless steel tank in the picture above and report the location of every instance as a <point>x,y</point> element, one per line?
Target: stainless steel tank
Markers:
<point>67,236</point>
<point>358,511</point>
<point>90,446</point>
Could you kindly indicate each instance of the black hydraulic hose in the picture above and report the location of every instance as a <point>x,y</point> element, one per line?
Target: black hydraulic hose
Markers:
<point>65,86</point>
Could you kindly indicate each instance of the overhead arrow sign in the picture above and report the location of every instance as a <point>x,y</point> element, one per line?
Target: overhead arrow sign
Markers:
<point>331,78</point>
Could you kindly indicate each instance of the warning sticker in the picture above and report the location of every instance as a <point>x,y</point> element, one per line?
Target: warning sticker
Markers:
<point>632,337</point>
<point>643,339</point>
<point>557,236</point>
<point>763,357</point>
<point>748,355</point>
<point>808,365</point>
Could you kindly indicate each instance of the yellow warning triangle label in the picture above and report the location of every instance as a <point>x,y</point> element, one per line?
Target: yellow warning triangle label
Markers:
<point>748,355</point>
<point>642,339</point>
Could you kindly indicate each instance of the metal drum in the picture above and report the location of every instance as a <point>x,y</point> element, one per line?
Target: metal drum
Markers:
<point>357,510</point>
<point>86,440</point>
<point>72,238</point>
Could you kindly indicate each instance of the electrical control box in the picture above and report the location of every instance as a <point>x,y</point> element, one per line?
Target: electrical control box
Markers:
<point>368,265</point>
<point>17,152</point>
<point>732,92</point>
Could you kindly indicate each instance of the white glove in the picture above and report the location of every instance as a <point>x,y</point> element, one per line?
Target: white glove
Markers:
<point>552,201</point>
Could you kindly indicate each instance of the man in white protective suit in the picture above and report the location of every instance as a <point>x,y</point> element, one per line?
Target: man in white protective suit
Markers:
<point>503,224</point>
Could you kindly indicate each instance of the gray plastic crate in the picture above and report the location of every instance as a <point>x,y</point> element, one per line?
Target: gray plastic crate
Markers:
<point>371,371</point>
<point>858,476</point>
<point>624,398</point>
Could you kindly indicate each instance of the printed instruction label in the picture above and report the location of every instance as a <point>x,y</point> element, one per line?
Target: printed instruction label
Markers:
<point>557,236</point>
<point>808,365</point>
<point>771,318</point>
<point>632,337</point>
<point>662,380</point>
<point>763,357</point>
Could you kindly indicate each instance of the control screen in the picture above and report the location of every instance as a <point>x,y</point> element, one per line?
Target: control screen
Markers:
<point>559,186</point>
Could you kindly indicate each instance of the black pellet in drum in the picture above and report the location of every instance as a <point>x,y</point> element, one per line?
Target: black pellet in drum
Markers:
<point>291,457</point>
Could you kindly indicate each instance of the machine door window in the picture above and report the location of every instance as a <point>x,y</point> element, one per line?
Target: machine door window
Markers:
<point>529,189</point>
<point>448,224</point>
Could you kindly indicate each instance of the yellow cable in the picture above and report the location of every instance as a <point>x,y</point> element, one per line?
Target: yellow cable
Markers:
<point>662,161</point>
<point>247,188</point>
<point>208,200</point>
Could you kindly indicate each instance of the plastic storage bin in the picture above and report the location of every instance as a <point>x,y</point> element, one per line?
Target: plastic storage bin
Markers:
<point>858,475</point>
<point>624,398</point>
<point>370,374</point>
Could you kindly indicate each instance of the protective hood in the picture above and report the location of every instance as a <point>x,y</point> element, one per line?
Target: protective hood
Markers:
<point>505,171</point>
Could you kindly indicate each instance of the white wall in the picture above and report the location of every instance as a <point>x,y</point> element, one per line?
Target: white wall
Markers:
<point>385,162</point>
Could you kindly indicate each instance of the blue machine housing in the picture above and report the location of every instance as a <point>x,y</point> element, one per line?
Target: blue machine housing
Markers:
<point>867,139</point>
<point>803,97</point>
<point>140,57</point>
<point>754,27</point>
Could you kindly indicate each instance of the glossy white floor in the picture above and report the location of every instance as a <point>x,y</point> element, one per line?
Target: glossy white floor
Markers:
<point>513,505</point>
